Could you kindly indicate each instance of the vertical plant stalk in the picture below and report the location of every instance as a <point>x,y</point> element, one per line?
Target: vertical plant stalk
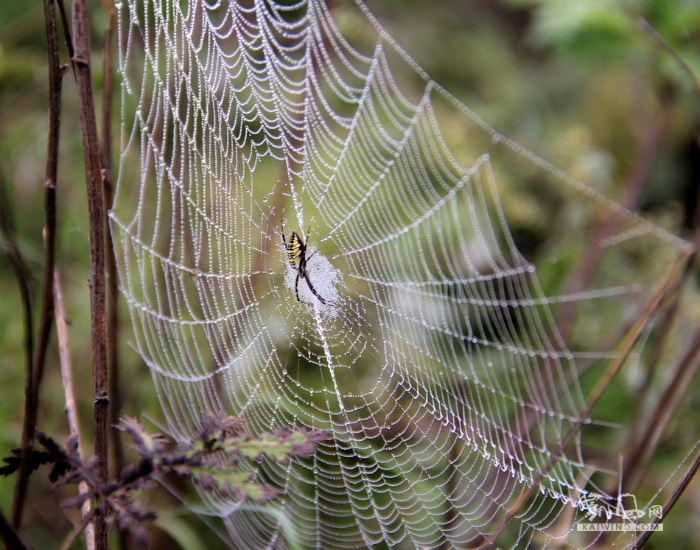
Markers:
<point>115,397</point>
<point>56,72</point>
<point>67,382</point>
<point>36,372</point>
<point>98,302</point>
<point>115,401</point>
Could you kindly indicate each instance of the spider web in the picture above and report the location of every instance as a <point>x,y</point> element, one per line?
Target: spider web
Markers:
<point>435,365</point>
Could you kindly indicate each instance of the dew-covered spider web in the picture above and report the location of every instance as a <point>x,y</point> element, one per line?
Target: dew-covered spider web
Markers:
<point>451,400</point>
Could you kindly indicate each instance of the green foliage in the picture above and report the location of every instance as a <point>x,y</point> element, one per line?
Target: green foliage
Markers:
<point>588,28</point>
<point>595,30</point>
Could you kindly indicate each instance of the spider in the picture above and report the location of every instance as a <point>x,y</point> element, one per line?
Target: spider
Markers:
<point>296,255</point>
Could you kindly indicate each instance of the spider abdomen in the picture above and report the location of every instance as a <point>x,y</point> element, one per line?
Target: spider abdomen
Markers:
<point>294,249</point>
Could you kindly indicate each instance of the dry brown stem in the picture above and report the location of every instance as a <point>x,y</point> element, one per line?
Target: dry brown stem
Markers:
<point>36,370</point>
<point>98,302</point>
<point>67,382</point>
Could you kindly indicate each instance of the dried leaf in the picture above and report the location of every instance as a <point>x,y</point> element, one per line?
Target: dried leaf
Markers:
<point>231,425</point>
<point>130,515</point>
<point>76,501</point>
<point>12,462</point>
<point>73,447</point>
<point>49,444</point>
<point>60,468</point>
<point>206,481</point>
<point>212,461</point>
<point>140,536</point>
<point>304,442</point>
<point>72,478</point>
<point>147,445</point>
<point>210,424</point>
<point>36,459</point>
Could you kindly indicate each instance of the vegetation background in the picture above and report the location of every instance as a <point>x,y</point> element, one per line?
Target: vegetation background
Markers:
<point>579,82</point>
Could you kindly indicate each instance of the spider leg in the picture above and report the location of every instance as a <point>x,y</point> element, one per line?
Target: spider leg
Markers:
<point>312,289</point>
<point>296,285</point>
<point>308,236</point>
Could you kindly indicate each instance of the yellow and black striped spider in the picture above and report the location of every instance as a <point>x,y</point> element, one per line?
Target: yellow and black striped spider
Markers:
<point>296,255</point>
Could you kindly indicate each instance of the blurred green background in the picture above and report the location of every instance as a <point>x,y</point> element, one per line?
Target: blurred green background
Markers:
<point>581,83</point>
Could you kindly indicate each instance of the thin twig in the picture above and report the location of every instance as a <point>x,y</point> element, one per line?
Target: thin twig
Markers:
<point>660,39</point>
<point>614,367</point>
<point>75,533</point>
<point>581,277</point>
<point>637,445</point>
<point>634,333</point>
<point>9,535</point>
<point>670,503</point>
<point>638,458</point>
<point>67,381</point>
<point>23,276</point>
<point>46,314</point>
<point>98,303</point>
<point>651,141</point>
<point>640,449</point>
<point>66,32</point>
<point>56,73</point>
<point>666,324</point>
